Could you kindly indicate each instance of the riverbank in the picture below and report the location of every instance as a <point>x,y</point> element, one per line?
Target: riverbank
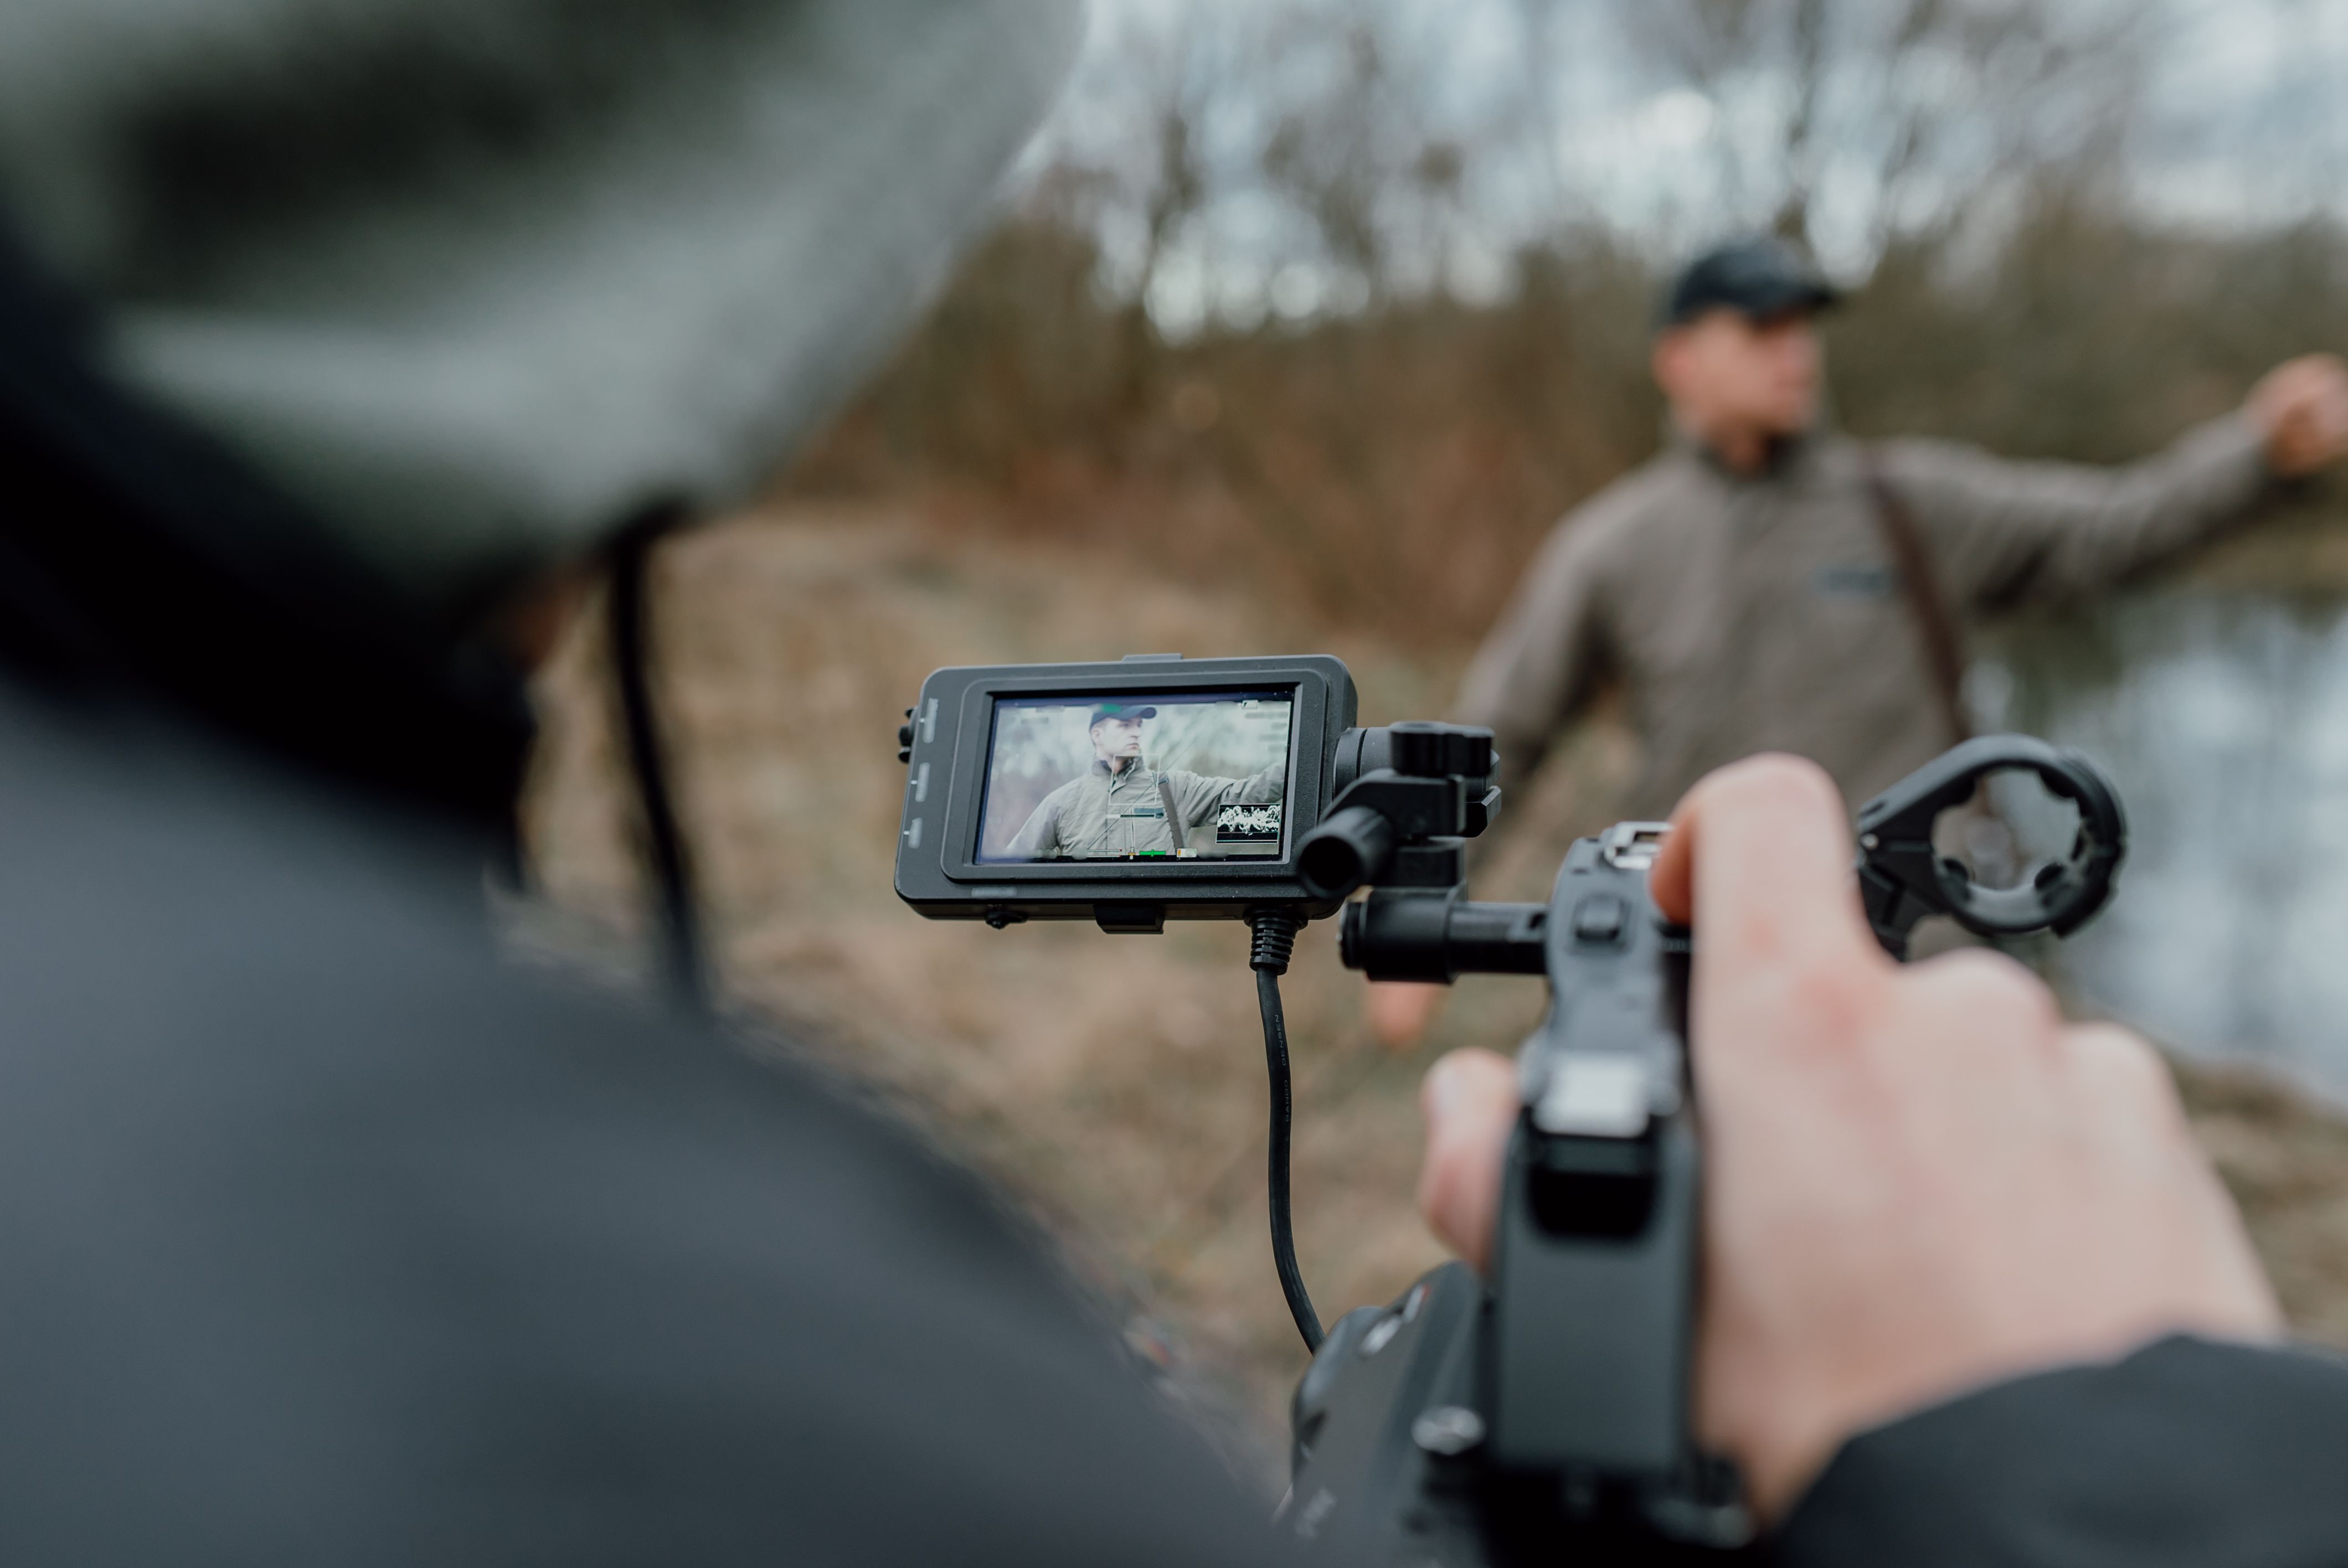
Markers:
<point>1116,1083</point>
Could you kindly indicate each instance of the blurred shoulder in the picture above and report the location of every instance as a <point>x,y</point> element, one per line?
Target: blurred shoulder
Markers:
<point>460,1240</point>
<point>1619,515</point>
<point>1928,462</point>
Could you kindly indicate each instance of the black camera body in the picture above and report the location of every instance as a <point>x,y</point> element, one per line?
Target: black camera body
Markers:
<point>1463,1423</point>
<point>1555,1405</point>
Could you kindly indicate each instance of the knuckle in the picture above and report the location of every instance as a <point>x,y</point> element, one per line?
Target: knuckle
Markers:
<point>1994,987</point>
<point>1999,1005</point>
<point>2118,1064</point>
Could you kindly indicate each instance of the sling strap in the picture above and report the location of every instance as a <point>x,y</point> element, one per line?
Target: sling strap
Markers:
<point>1173,817</point>
<point>1936,623</point>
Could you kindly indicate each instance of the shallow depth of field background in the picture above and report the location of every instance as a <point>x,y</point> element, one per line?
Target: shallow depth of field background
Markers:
<point>1304,323</point>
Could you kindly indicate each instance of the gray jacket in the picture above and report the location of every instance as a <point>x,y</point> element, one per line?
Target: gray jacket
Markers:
<point>1099,813</point>
<point>1757,614</point>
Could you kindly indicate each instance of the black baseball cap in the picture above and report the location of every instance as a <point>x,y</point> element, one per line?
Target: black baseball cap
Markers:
<point>1119,710</point>
<point>1758,276</point>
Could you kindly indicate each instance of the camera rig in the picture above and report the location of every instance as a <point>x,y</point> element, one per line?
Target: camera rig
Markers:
<point>1463,1420</point>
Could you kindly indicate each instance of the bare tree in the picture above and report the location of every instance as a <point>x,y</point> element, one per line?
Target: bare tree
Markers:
<point>1142,193</point>
<point>1544,112</point>
<point>1912,113</point>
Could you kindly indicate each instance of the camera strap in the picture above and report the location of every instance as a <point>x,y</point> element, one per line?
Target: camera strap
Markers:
<point>1936,620</point>
<point>628,610</point>
<point>1173,817</point>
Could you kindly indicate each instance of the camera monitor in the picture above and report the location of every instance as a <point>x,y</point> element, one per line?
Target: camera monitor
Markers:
<point>1131,793</point>
<point>1136,776</point>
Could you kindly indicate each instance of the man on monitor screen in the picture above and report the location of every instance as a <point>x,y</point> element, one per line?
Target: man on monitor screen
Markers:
<point>1121,807</point>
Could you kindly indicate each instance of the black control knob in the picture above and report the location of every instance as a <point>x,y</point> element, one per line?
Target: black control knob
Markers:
<point>1439,751</point>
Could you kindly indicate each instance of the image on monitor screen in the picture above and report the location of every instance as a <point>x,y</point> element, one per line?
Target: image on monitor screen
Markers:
<point>1191,776</point>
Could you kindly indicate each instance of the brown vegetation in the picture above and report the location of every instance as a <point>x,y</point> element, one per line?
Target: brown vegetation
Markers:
<point>1393,470</point>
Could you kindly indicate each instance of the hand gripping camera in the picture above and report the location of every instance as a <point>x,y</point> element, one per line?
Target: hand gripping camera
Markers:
<point>1466,1422</point>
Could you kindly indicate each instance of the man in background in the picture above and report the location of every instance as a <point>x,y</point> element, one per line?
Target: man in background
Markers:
<point>1766,583</point>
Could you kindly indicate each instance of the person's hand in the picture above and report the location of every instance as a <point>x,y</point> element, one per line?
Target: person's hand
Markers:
<point>1917,1181</point>
<point>2302,404</point>
<point>1398,1011</point>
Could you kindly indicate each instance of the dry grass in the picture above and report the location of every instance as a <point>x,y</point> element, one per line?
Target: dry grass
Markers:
<point>1117,1083</point>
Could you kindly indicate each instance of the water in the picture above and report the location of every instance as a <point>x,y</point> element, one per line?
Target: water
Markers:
<point>2223,719</point>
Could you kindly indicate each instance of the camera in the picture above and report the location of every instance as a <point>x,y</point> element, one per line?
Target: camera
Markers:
<point>1158,787</point>
<point>1465,1422</point>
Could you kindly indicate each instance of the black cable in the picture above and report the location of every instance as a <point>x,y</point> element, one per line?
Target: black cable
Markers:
<point>1276,938</point>
<point>678,912</point>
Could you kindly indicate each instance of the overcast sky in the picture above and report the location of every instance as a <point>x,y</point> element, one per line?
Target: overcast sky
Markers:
<point>2242,120</point>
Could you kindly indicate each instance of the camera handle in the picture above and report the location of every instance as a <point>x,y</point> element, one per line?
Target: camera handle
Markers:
<point>1903,878</point>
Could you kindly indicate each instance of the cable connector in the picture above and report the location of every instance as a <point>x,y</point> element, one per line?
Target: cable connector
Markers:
<point>1275,939</point>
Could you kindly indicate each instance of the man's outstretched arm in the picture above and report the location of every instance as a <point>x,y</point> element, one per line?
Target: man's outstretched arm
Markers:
<point>1199,797</point>
<point>2005,532</point>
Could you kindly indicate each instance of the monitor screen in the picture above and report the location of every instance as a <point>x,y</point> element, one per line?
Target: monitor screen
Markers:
<point>1189,777</point>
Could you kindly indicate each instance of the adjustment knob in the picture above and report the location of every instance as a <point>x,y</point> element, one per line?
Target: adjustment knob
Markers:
<point>1416,749</point>
<point>1439,751</point>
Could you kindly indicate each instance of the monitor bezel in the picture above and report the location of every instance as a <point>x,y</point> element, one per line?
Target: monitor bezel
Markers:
<point>941,874</point>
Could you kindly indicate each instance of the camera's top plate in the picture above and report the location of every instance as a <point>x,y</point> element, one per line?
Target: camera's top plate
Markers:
<point>994,758</point>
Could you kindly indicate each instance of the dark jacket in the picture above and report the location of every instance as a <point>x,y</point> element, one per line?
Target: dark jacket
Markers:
<point>326,1238</point>
<point>2185,1455</point>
